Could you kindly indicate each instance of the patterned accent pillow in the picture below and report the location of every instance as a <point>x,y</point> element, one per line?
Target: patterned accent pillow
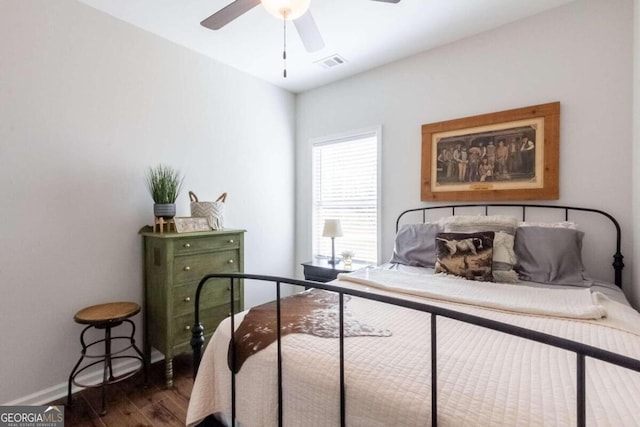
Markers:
<point>468,255</point>
<point>504,227</point>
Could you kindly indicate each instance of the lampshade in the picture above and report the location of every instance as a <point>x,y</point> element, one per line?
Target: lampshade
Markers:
<point>332,228</point>
<point>286,9</point>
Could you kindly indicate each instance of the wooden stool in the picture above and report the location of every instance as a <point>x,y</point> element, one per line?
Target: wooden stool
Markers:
<point>107,316</point>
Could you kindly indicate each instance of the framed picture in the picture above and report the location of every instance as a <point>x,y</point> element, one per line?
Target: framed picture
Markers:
<point>190,224</point>
<point>508,155</point>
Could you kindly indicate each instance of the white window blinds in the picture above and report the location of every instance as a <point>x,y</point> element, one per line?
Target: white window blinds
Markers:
<point>345,187</point>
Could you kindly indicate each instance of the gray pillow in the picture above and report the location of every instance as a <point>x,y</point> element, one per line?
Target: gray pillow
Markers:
<point>550,255</point>
<point>416,245</point>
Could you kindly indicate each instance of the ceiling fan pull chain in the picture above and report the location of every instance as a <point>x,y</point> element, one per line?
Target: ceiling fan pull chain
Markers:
<point>284,51</point>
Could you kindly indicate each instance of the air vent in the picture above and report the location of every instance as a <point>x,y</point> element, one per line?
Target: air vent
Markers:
<point>331,61</point>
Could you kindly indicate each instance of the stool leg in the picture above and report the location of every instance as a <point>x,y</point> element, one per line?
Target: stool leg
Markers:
<point>107,368</point>
<point>110,360</point>
<point>75,368</point>
<point>73,372</point>
<point>144,357</point>
<point>144,361</point>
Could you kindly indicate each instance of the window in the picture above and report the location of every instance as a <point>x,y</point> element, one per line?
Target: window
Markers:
<point>345,187</point>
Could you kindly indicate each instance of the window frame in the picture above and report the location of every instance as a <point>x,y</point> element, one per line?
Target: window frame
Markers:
<point>373,131</point>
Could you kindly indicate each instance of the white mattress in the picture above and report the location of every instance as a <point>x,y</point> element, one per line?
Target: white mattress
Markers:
<point>484,377</point>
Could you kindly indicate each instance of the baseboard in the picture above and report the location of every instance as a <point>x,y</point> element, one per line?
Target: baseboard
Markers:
<point>92,376</point>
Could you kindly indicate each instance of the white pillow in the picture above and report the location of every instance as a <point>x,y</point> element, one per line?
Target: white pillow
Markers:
<point>560,224</point>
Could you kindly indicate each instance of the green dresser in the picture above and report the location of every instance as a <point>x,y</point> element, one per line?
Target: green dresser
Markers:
<point>174,264</point>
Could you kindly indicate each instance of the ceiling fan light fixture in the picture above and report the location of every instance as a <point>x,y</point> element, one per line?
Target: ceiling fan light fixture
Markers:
<point>286,9</point>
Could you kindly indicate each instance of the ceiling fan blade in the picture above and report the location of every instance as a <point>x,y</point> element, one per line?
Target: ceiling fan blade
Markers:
<point>309,33</point>
<point>388,1</point>
<point>229,13</point>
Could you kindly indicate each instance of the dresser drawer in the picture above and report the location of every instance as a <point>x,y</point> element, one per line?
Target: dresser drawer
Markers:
<point>193,267</point>
<point>215,292</point>
<point>209,317</point>
<point>189,245</point>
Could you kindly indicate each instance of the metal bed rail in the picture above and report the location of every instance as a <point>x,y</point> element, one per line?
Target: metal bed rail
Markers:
<point>581,350</point>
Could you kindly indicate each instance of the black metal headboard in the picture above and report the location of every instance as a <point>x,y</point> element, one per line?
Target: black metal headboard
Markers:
<point>618,265</point>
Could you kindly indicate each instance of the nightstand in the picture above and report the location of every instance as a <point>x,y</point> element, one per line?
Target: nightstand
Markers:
<point>320,270</point>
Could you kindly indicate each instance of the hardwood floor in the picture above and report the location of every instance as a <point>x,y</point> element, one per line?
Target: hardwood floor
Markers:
<point>130,404</point>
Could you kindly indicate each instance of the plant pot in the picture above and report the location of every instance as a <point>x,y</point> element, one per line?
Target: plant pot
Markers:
<point>164,210</point>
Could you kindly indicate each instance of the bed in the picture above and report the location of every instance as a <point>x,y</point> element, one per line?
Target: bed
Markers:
<point>401,345</point>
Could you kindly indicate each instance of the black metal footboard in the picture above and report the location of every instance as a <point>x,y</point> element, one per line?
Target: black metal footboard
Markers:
<point>581,350</point>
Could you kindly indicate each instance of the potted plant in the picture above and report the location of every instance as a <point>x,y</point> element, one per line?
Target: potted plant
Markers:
<point>164,183</point>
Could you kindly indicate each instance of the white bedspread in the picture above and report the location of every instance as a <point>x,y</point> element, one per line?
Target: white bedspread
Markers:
<point>484,378</point>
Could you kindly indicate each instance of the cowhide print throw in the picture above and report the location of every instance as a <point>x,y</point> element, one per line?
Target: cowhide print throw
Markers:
<point>313,312</point>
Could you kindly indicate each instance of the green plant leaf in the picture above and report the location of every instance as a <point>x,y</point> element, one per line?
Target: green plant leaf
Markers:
<point>164,183</point>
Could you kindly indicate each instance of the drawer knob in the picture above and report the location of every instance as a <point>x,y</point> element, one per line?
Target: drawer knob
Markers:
<point>187,245</point>
<point>187,328</point>
<point>187,299</point>
<point>187,268</point>
<point>230,240</point>
<point>230,261</point>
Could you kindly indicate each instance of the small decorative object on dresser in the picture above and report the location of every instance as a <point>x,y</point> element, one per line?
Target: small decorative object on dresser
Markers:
<point>191,224</point>
<point>212,211</point>
<point>164,184</point>
<point>173,265</point>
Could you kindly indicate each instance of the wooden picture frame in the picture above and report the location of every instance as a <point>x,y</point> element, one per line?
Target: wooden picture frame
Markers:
<point>190,224</point>
<point>464,159</point>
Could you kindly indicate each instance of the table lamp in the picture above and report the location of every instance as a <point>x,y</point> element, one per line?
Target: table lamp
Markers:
<point>333,229</point>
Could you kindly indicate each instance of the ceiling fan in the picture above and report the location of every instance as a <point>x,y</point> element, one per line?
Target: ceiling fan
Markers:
<point>293,10</point>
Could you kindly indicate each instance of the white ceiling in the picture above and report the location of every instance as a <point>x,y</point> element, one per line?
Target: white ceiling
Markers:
<point>366,33</point>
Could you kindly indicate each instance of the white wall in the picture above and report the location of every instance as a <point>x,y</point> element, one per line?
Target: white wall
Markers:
<point>87,104</point>
<point>579,54</point>
<point>636,146</point>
